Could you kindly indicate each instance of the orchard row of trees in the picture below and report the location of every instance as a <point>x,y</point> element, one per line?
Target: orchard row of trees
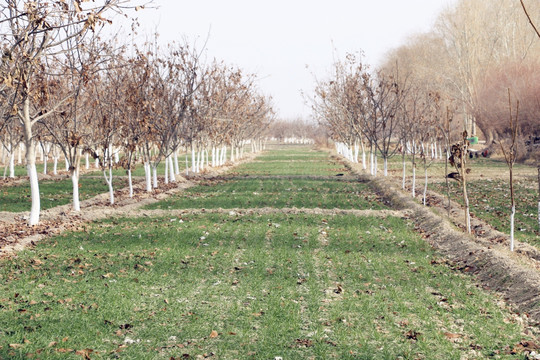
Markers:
<point>476,73</point>
<point>68,91</point>
<point>369,113</point>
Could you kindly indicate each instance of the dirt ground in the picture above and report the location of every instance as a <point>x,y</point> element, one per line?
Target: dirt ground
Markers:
<point>484,255</point>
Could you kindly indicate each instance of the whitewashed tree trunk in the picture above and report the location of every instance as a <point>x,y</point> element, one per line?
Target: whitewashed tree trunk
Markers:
<point>19,155</point>
<point>213,156</point>
<point>372,166</point>
<point>193,160</point>
<point>130,183</point>
<point>176,165</point>
<point>12,165</point>
<point>108,180</point>
<point>187,166</point>
<point>86,161</point>
<point>148,176</point>
<point>55,164</point>
<point>172,177</point>
<point>356,150</point>
<point>154,176</point>
<point>45,160</point>
<point>232,153</point>
<point>31,164</point>
<point>385,166</point>
<point>67,163</point>
<point>166,171</point>
<point>364,163</point>
<point>201,160</point>
<point>75,183</point>
<point>224,155</point>
<point>375,165</point>
<point>512,223</point>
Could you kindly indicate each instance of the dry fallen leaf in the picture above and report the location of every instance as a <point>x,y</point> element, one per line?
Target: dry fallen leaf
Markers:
<point>213,334</point>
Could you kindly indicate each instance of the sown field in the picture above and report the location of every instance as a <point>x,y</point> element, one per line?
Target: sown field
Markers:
<point>257,285</point>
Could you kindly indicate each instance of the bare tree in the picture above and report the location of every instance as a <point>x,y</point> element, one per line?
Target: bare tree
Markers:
<point>510,154</point>
<point>32,33</point>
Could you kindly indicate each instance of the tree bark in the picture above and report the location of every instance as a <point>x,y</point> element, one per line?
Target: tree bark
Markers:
<point>172,177</point>
<point>31,164</point>
<point>130,183</point>
<point>75,183</point>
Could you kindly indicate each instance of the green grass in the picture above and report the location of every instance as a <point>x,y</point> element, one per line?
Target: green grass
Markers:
<point>290,168</point>
<point>53,193</point>
<point>277,192</point>
<point>245,288</point>
<point>249,287</point>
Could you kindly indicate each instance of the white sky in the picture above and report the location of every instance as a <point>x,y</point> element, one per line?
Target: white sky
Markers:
<point>277,39</point>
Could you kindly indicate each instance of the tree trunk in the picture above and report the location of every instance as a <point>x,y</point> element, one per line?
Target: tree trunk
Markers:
<point>404,170</point>
<point>130,183</point>
<point>425,184</point>
<point>75,183</point>
<point>172,177</point>
<point>148,176</point>
<point>154,176</point>
<point>385,166</point>
<point>513,214</point>
<point>187,166</point>
<point>414,180</point>
<point>86,161</point>
<point>372,167</point>
<point>364,165</point>
<point>45,160</point>
<point>19,154</point>
<point>193,159</point>
<point>31,164</point>
<point>166,171</point>
<point>176,166</point>
<point>108,180</point>
<point>465,195</point>
<point>12,165</point>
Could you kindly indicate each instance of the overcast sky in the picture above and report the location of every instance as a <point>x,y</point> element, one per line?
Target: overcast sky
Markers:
<point>277,39</point>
